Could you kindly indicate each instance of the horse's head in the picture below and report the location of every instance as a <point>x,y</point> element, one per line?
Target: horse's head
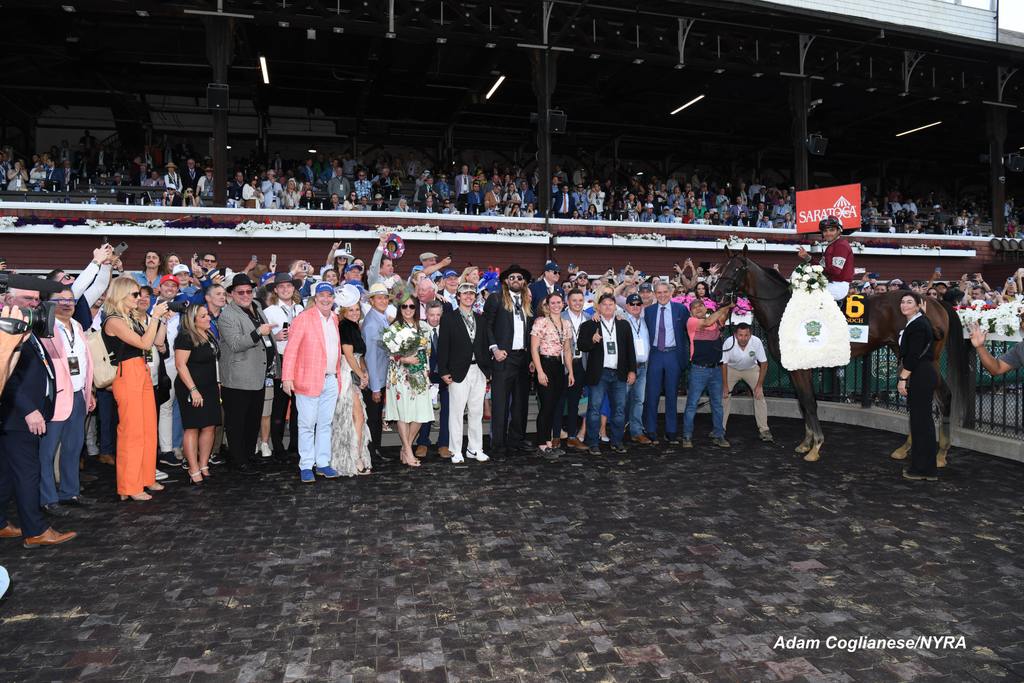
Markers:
<point>733,279</point>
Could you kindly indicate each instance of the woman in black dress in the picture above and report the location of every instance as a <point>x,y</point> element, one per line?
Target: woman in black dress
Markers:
<point>197,389</point>
<point>917,380</point>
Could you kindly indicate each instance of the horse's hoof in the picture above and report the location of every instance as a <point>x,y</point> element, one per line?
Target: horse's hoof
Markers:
<point>898,454</point>
<point>802,448</point>
<point>812,457</point>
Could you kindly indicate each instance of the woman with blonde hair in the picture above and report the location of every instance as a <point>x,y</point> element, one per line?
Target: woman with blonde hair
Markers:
<point>195,356</point>
<point>350,439</point>
<point>130,341</point>
<point>291,196</point>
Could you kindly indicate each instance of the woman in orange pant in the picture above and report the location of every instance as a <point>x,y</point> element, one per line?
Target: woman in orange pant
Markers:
<point>129,337</point>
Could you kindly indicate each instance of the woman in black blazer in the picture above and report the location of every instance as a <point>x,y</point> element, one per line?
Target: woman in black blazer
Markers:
<point>917,380</point>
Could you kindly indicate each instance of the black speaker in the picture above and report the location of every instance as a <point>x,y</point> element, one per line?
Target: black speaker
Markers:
<point>557,119</point>
<point>817,144</point>
<point>1015,162</point>
<point>217,96</point>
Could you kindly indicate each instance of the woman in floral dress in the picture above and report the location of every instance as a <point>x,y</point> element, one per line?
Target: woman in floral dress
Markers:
<point>408,386</point>
<point>350,439</point>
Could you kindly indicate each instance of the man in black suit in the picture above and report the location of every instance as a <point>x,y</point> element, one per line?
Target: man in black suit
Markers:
<point>434,312</point>
<point>26,405</point>
<point>464,363</point>
<point>190,178</point>
<point>611,368</point>
<point>507,315</point>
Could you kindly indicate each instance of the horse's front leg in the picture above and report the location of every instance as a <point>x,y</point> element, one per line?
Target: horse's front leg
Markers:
<point>901,452</point>
<point>813,437</point>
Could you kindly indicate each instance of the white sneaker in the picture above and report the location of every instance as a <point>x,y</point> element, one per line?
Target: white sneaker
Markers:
<point>479,456</point>
<point>265,450</point>
<point>457,459</point>
<point>160,476</point>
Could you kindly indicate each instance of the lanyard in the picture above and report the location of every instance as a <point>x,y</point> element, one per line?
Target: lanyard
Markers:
<point>610,329</point>
<point>576,325</point>
<point>636,329</point>
<point>70,337</point>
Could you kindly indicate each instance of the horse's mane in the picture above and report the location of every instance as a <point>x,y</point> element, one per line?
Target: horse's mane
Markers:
<point>772,274</point>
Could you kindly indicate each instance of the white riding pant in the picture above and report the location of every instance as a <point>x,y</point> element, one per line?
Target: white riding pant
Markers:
<point>838,290</point>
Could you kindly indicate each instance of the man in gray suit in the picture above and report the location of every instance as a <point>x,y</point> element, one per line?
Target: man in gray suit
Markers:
<point>339,184</point>
<point>247,358</point>
<point>376,362</point>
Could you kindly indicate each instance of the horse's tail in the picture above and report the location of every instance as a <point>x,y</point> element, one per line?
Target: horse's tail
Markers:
<point>955,340</point>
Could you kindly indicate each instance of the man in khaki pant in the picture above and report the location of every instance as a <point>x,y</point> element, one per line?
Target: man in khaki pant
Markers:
<point>743,358</point>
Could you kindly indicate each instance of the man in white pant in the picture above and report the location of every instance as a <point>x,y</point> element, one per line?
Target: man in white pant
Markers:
<point>743,358</point>
<point>311,367</point>
<point>463,362</point>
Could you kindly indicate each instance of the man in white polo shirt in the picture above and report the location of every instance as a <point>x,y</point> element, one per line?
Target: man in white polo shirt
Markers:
<point>743,358</point>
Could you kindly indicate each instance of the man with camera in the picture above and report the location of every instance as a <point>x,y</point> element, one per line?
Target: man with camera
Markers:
<point>26,404</point>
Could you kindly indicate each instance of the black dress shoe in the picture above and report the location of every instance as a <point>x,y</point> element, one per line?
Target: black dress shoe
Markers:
<point>77,501</point>
<point>55,510</point>
<point>246,470</point>
<point>526,448</point>
<point>619,448</point>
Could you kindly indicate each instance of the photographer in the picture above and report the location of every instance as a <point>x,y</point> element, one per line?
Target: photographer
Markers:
<point>27,402</point>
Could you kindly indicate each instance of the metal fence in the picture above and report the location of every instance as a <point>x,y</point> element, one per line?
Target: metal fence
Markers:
<point>996,407</point>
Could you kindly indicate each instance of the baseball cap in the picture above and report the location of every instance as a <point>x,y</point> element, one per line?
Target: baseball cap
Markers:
<point>647,287</point>
<point>450,273</point>
<point>633,299</point>
<point>417,269</point>
<point>353,266</point>
<point>169,278</point>
<point>180,268</point>
<point>323,287</point>
<point>552,266</point>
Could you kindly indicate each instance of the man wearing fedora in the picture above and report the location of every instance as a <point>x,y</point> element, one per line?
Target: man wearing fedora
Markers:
<point>374,324</point>
<point>507,316</point>
<point>247,360</point>
<point>283,306</point>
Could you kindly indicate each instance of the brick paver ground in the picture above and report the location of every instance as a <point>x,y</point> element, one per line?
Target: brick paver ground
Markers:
<point>675,565</point>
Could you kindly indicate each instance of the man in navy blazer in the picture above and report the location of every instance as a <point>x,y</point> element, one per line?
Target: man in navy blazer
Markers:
<point>670,354</point>
<point>547,284</point>
<point>26,405</point>
<point>561,202</point>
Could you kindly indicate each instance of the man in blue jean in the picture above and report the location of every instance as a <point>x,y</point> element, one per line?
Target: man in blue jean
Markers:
<point>705,334</point>
<point>641,347</point>
<point>611,370</point>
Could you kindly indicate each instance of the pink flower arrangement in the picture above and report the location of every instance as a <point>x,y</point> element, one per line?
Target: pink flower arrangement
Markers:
<point>743,306</point>
<point>688,299</point>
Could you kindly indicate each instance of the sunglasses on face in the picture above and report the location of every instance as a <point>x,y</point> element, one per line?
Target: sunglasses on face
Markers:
<point>64,302</point>
<point>243,292</point>
<point>136,294</point>
<point>410,307</point>
<point>514,278</point>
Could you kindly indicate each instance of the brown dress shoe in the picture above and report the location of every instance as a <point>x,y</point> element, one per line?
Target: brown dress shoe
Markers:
<point>49,537</point>
<point>444,452</point>
<point>10,531</point>
<point>555,443</point>
<point>642,439</point>
<point>421,452</point>
<point>105,459</point>
<point>575,444</point>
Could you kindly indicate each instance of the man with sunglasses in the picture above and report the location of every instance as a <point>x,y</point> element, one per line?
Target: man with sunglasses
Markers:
<point>507,316</point>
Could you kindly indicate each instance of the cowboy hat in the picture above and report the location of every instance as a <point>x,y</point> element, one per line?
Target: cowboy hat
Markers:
<point>516,268</point>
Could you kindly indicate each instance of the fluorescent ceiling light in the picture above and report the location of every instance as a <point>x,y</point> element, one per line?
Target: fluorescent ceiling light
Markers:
<point>311,151</point>
<point>692,102</point>
<point>638,60</point>
<point>494,88</point>
<point>490,46</point>
<point>142,13</point>
<point>914,130</point>
<point>68,8</point>
<point>263,69</point>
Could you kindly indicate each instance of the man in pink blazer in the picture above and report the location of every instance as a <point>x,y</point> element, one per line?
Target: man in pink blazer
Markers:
<point>75,399</point>
<point>312,363</point>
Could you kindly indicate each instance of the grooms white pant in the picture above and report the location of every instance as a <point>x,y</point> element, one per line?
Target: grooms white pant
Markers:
<point>467,393</point>
<point>315,416</point>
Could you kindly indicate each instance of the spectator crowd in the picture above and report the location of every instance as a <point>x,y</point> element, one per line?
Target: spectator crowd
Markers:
<point>175,175</point>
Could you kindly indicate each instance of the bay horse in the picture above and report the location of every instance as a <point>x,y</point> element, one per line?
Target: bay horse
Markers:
<point>769,293</point>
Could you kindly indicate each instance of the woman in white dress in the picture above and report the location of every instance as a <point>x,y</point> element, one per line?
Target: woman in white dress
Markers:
<point>350,440</point>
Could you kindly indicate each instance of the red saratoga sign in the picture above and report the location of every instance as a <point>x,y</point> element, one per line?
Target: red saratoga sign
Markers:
<point>841,201</point>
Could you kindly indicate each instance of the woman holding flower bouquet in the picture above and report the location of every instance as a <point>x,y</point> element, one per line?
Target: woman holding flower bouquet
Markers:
<point>408,388</point>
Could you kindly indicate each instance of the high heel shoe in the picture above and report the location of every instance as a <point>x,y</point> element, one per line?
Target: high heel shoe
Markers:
<point>205,471</point>
<point>156,486</point>
<point>138,497</point>
<point>196,477</point>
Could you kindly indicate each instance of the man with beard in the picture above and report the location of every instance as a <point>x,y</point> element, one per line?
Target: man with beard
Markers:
<point>507,320</point>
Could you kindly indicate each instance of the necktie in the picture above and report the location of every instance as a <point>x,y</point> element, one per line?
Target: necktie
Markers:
<point>661,328</point>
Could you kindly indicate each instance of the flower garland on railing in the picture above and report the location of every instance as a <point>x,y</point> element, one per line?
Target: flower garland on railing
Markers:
<point>513,232</point>
<point>1003,320</point>
<point>249,227</point>
<point>405,229</point>
<point>655,237</point>
<point>152,224</point>
<point>8,221</point>
<point>736,241</point>
<point>808,278</point>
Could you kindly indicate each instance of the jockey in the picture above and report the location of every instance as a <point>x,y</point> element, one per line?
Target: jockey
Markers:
<point>837,258</point>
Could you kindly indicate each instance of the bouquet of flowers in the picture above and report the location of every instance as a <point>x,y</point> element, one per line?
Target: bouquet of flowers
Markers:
<point>402,341</point>
<point>686,300</point>
<point>807,278</point>
<point>1002,320</point>
<point>742,306</point>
